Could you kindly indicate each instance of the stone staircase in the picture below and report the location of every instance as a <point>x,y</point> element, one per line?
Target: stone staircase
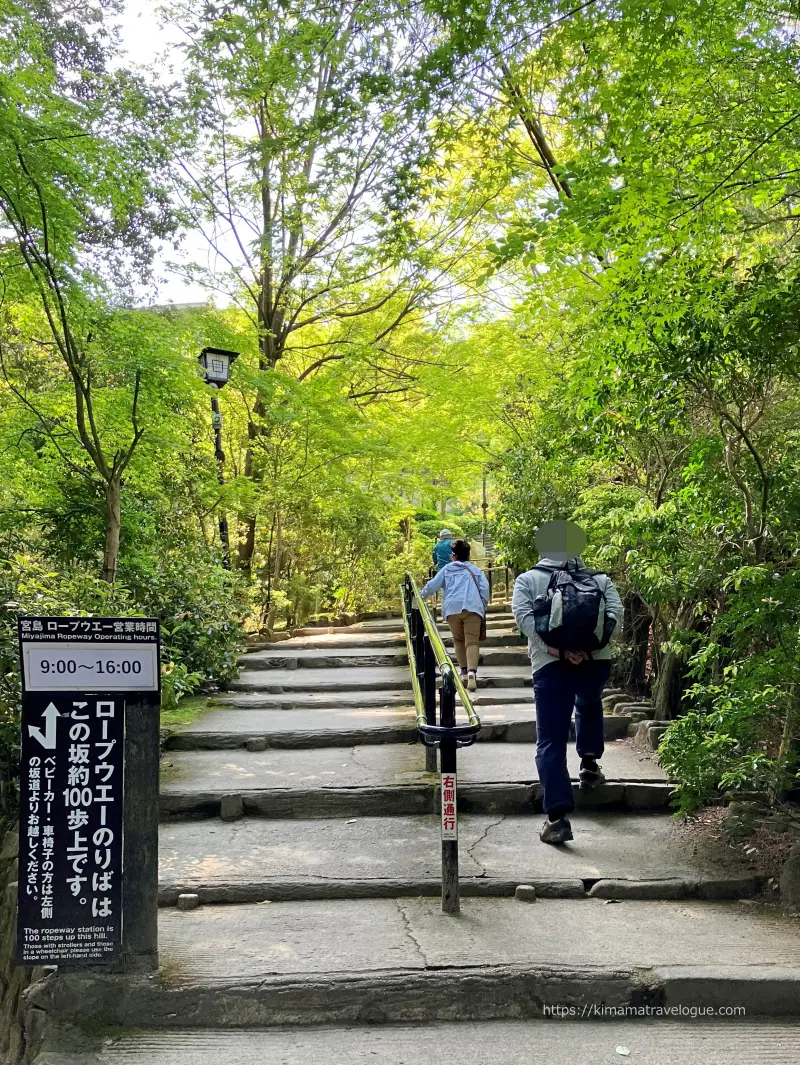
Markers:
<point>300,881</point>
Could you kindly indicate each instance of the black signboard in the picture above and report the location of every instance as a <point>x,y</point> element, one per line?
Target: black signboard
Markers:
<point>77,675</point>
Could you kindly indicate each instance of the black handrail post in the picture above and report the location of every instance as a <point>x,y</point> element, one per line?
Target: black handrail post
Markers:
<point>451,902</point>
<point>408,596</point>
<point>490,576</point>
<point>428,685</point>
<point>418,641</point>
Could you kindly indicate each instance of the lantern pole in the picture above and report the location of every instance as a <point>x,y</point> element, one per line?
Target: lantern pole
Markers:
<point>217,380</point>
<point>219,455</point>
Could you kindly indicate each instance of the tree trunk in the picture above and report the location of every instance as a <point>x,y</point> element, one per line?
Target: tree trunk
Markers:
<point>636,634</point>
<point>669,685</point>
<point>276,571</point>
<point>247,543</point>
<point>113,526</point>
<point>247,546</point>
<point>270,328</point>
<point>790,740</point>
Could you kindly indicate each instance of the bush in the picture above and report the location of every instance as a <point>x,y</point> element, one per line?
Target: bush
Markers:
<point>201,608</point>
<point>472,527</point>
<point>431,529</point>
<point>732,743</point>
<point>742,725</point>
<point>196,602</point>
<point>29,586</point>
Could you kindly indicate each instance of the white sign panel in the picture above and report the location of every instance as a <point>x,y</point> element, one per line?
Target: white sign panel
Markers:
<point>449,807</point>
<point>67,666</point>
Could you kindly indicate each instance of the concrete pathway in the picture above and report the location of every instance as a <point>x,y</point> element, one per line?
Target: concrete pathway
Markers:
<point>286,657</point>
<point>555,1042</point>
<point>402,961</point>
<point>357,720</point>
<point>372,766</point>
<point>378,935</point>
<point>198,856</point>
<point>318,894</point>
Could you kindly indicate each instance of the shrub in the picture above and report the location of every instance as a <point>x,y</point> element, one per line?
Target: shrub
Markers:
<point>201,607</point>
<point>742,724</point>
<point>196,601</point>
<point>732,742</point>
<point>431,529</point>
<point>29,586</point>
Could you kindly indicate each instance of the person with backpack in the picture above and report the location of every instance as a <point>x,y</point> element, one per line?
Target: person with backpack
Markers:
<point>466,594</point>
<point>570,614</point>
<point>443,549</point>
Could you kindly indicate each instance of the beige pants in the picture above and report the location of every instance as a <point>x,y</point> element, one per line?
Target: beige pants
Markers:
<point>466,630</point>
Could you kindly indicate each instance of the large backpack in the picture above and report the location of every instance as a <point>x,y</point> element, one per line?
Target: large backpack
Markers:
<point>571,614</point>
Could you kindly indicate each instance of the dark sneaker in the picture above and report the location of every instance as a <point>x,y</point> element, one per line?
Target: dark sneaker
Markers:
<point>591,778</point>
<point>559,831</point>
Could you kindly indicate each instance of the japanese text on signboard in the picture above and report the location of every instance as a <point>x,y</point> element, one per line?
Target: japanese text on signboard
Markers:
<point>72,825</point>
<point>78,677</point>
<point>449,809</point>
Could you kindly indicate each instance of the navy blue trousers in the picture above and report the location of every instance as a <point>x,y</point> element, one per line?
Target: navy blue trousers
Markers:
<point>558,689</point>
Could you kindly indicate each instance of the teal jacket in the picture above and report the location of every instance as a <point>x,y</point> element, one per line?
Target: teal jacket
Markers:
<point>442,553</point>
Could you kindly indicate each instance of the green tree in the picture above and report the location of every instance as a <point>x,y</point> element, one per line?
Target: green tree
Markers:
<point>82,202</point>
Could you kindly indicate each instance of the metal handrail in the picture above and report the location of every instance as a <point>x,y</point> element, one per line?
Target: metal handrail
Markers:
<point>419,704</point>
<point>428,656</point>
<point>444,662</point>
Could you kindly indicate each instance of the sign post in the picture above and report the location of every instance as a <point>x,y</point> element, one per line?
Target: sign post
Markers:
<point>451,899</point>
<point>88,882</point>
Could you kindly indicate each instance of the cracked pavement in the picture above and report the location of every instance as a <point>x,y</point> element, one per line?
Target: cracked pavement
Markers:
<point>256,850</point>
<point>235,943</point>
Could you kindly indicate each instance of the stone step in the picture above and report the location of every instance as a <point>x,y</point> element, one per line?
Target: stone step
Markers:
<point>256,858</point>
<point>519,1042</point>
<point>394,800</point>
<point>345,679</point>
<point>349,724</point>
<point>325,640</point>
<point>370,766</point>
<point>370,678</point>
<point>350,657</point>
<point>266,697</point>
<point>309,658</point>
<point>369,961</point>
<point>502,618</point>
<point>502,637</point>
<point>391,779</point>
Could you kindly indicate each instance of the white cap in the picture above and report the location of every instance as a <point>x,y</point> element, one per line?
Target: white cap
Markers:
<point>444,534</point>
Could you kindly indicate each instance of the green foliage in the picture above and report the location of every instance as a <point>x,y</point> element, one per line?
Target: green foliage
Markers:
<point>432,527</point>
<point>546,246</point>
<point>196,602</point>
<point>742,730</point>
<point>29,586</point>
<point>201,608</point>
